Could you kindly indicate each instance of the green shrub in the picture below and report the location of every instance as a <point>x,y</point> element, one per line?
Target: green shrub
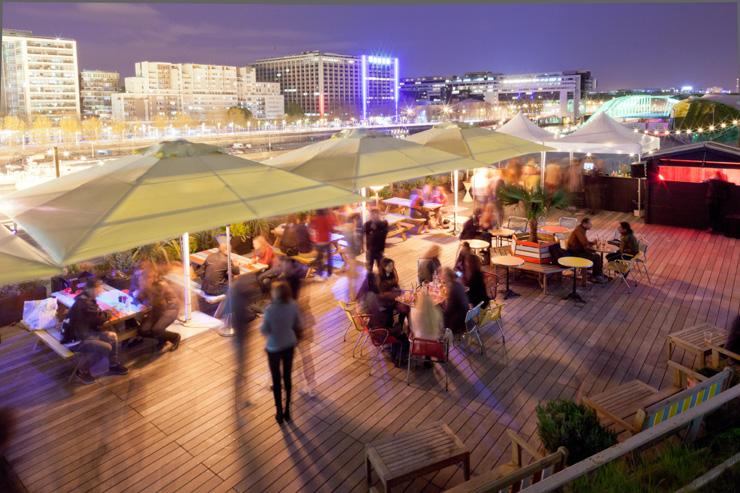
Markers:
<point>614,477</point>
<point>573,426</point>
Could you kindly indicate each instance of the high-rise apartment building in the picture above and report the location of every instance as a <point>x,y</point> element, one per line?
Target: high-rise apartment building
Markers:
<point>162,88</point>
<point>262,99</point>
<point>96,89</point>
<point>39,76</point>
<point>329,84</point>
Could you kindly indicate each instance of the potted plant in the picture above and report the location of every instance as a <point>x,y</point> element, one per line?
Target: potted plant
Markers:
<point>12,297</point>
<point>120,267</point>
<point>536,202</point>
<point>573,426</point>
<point>242,234</point>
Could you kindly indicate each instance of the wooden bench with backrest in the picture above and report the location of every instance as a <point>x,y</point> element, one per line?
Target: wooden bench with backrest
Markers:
<point>542,271</point>
<point>723,357</point>
<point>516,475</point>
<point>635,405</point>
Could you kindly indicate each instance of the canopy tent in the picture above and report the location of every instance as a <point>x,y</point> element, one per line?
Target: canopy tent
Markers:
<point>168,188</point>
<point>20,261</point>
<point>355,160</point>
<point>603,134</point>
<point>520,126</point>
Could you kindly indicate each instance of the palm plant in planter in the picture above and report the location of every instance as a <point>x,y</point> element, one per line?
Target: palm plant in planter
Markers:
<point>535,201</point>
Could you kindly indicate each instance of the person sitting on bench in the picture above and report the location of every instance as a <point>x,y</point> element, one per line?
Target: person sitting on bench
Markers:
<point>165,307</point>
<point>86,321</point>
<point>214,273</point>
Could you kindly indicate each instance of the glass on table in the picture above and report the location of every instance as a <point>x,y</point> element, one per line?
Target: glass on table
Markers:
<point>708,336</point>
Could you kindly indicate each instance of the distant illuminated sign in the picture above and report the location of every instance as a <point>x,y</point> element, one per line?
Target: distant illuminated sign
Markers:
<point>379,60</point>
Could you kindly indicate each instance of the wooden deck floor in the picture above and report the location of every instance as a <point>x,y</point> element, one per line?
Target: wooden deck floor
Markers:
<point>176,423</point>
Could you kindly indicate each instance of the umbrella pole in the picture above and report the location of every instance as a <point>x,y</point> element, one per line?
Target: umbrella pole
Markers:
<point>363,192</point>
<point>185,250</point>
<point>542,169</point>
<point>227,330</point>
<point>455,184</point>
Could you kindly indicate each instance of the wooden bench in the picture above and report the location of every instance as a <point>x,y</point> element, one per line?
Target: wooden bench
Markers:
<point>635,406</point>
<point>722,357</point>
<point>408,456</point>
<point>399,229</point>
<point>543,271</point>
<point>52,339</point>
<point>307,259</point>
<point>516,475</point>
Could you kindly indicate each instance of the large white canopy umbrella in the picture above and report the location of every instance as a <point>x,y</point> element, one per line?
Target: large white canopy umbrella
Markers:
<point>482,145</point>
<point>156,195</point>
<point>356,159</point>
<point>19,261</point>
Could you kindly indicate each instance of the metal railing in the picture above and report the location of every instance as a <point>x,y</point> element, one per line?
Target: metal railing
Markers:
<point>691,418</point>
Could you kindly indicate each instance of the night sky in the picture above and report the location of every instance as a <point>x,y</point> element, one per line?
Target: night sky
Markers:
<point>625,46</point>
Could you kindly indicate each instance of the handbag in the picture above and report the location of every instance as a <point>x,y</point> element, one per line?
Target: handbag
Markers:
<point>40,314</point>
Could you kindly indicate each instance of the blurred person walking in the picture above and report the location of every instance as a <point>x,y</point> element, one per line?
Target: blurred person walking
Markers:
<point>281,326</point>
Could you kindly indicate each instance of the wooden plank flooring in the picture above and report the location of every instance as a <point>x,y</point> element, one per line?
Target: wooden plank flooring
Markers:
<point>180,421</point>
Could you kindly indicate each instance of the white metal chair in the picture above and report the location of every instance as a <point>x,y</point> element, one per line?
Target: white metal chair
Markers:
<point>472,327</point>
<point>518,224</point>
<point>640,260</point>
<point>568,222</point>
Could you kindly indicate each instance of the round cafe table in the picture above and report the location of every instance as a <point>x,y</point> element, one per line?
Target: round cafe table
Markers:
<point>477,246</point>
<point>575,263</point>
<point>500,234</point>
<point>507,261</point>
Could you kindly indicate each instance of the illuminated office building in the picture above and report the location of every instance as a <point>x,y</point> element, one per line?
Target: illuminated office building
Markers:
<point>564,89</point>
<point>339,86</point>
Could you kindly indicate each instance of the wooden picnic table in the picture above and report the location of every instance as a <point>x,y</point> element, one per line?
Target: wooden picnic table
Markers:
<point>406,203</point>
<point>698,340</point>
<point>118,304</point>
<point>245,264</point>
<point>410,455</point>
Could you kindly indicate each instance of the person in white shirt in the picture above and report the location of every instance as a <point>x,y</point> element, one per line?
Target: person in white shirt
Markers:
<point>427,321</point>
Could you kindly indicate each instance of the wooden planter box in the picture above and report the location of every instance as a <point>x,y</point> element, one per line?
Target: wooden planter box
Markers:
<point>537,253</point>
<point>11,307</point>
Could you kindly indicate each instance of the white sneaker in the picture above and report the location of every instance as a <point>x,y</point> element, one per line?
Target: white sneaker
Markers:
<point>319,278</point>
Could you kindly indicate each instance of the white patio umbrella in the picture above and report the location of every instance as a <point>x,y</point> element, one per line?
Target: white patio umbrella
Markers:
<point>157,194</point>
<point>19,261</point>
<point>356,160</point>
<point>479,144</point>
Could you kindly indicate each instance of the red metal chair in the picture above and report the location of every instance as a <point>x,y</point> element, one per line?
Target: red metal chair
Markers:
<point>380,338</point>
<point>436,351</point>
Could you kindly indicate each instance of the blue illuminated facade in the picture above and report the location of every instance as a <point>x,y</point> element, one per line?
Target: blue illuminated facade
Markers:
<point>379,81</point>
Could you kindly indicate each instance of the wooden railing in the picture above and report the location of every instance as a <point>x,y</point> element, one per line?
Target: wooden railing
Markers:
<point>691,418</point>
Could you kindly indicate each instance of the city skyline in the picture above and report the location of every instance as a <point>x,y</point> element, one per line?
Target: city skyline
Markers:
<point>625,46</point>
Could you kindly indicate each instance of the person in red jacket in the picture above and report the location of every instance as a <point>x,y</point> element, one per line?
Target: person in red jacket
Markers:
<point>322,225</point>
